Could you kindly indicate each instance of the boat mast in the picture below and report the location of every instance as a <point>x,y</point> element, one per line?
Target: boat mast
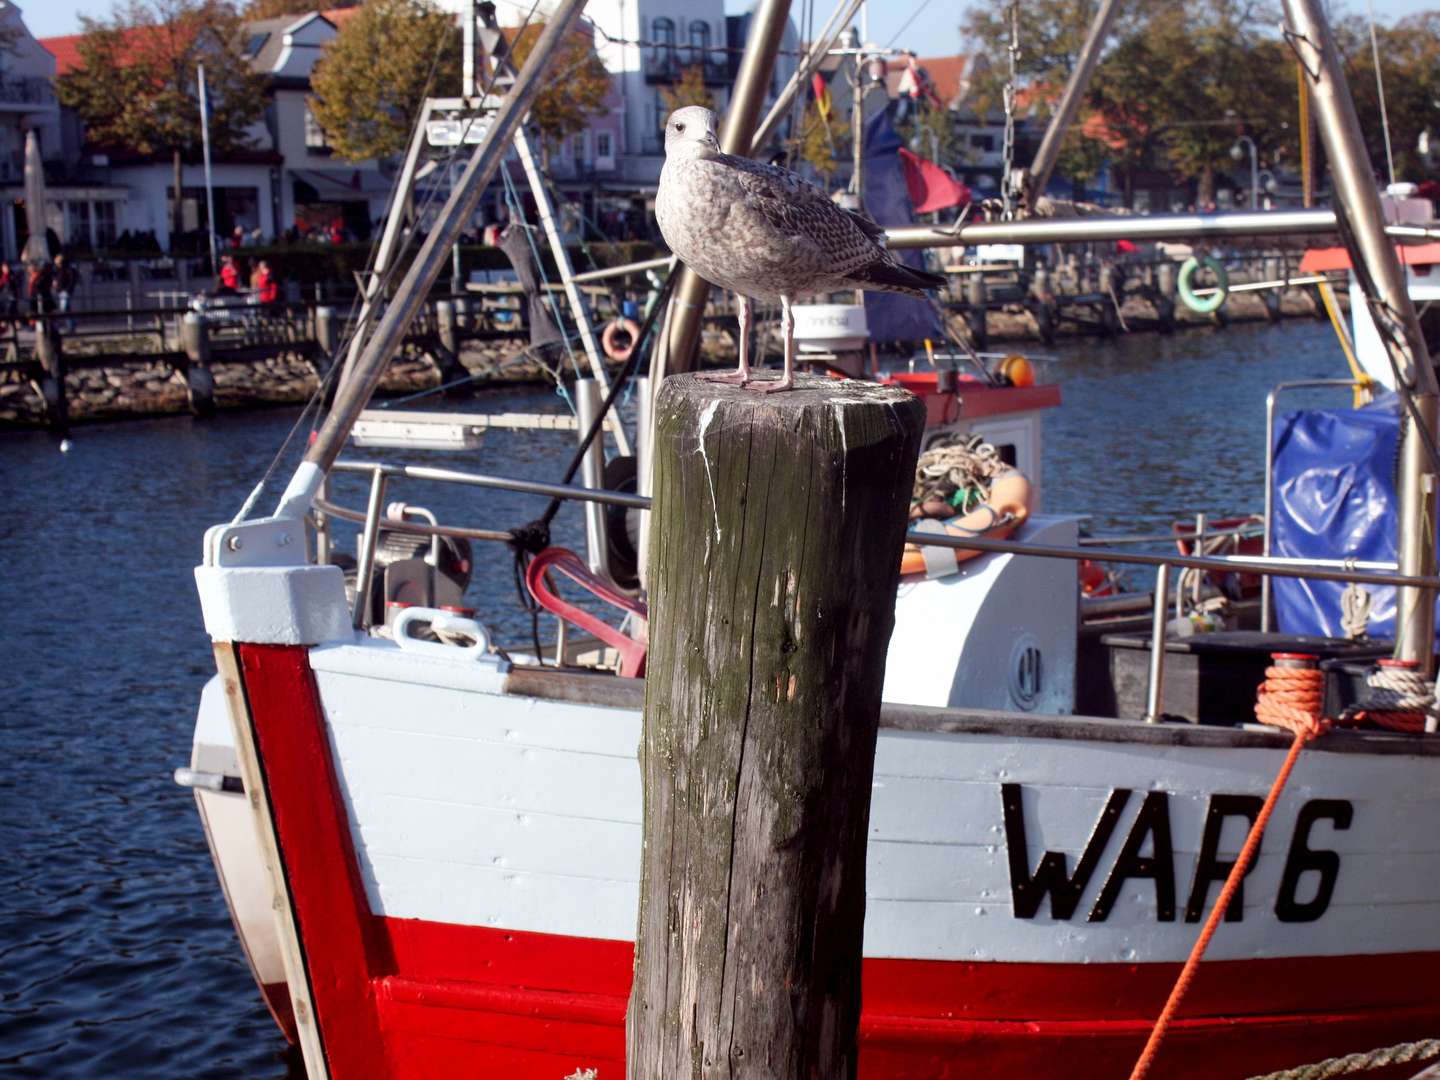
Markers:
<point>1357,204</point>
<point>767,28</point>
<point>1032,184</point>
<point>432,258</point>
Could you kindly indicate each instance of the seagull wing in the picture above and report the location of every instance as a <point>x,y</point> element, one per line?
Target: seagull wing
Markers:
<point>847,242</point>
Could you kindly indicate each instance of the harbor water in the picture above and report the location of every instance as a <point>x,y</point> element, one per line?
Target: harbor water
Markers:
<point>117,957</point>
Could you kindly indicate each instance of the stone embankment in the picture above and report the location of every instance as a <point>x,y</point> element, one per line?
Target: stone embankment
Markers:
<point>155,388</point>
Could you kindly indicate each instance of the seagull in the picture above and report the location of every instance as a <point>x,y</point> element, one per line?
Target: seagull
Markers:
<point>764,233</point>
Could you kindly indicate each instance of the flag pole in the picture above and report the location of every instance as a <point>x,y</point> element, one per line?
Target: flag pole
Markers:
<point>209,183</point>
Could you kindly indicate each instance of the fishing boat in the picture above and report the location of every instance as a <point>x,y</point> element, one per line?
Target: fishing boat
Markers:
<point>430,840</point>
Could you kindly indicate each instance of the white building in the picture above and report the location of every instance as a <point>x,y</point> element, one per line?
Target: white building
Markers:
<point>286,177</point>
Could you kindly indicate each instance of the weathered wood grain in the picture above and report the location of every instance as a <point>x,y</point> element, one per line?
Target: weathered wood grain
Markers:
<point>774,559</point>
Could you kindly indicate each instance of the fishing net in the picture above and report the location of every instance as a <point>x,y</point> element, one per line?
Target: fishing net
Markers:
<point>958,470</point>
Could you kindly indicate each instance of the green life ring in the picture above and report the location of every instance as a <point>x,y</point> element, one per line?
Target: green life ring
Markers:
<point>1203,305</point>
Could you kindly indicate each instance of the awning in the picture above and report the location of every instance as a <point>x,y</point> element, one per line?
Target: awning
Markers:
<point>343,183</point>
<point>1317,260</point>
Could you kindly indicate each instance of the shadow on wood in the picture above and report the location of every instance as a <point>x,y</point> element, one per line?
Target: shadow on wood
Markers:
<point>774,558</point>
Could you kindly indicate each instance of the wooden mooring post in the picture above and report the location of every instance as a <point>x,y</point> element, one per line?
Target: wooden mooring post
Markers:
<point>774,557</point>
<point>50,351</point>
<point>199,380</point>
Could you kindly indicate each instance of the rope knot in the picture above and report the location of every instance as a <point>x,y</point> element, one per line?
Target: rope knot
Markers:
<point>531,538</point>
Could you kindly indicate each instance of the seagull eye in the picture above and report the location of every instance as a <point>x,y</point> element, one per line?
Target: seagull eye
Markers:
<point>679,127</point>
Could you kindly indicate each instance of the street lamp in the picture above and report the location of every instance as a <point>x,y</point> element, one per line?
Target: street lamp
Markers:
<point>1238,154</point>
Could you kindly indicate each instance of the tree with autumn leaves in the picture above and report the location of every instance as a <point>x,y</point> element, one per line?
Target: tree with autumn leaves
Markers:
<point>1177,84</point>
<point>370,83</point>
<point>136,87</point>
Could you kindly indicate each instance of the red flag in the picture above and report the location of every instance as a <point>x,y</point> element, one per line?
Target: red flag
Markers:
<point>931,187</point>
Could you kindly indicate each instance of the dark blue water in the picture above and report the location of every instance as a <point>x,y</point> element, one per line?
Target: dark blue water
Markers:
<point>117,957</point>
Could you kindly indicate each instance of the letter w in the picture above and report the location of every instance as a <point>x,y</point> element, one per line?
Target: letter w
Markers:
<point>1028,890</point>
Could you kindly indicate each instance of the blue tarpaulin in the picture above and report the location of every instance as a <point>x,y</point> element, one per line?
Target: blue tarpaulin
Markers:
<point>1335,497</point>
<point>890,316</point>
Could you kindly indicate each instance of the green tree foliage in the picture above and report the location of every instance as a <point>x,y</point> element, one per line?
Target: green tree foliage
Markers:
<point>929,131</point>
<point>1410,66</point>
<point>135,87</point>
<point>1178,83</point>
<point>369,84</point>
<point>824,141</point>
<point>689,89</point>
<point>271,9</point>
<point>576,94</point>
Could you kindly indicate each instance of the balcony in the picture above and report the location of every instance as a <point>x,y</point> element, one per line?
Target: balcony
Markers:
<point>668,63</point>
<point>27,94</point>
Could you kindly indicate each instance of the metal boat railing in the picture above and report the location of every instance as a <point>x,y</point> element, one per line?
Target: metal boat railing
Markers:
<point>1360,572</point>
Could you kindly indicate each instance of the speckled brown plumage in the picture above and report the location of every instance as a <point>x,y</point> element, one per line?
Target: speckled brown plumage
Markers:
<point>765,233</point>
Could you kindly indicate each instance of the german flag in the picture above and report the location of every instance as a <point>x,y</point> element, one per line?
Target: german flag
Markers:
<point>822,96</point>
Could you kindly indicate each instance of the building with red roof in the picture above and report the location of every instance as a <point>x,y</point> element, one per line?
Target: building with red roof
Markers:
<point>286,176</point>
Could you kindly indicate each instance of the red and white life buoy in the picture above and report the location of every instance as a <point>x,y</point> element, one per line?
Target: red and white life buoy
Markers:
<point>612,330</point>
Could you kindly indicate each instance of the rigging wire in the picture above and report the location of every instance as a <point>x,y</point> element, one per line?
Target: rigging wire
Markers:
<point>906,24</point>
<point>1380,90</point>
<point>354,326</point>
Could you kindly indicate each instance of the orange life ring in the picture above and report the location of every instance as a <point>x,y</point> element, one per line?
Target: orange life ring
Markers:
<point>996,518</point>
<point>607,339</point>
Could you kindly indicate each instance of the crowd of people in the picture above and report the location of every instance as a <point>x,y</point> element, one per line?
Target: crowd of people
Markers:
<point>45,286</point>
<point>260,281</point>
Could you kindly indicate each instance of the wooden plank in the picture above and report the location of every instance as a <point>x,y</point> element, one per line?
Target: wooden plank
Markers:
<point>227,662</point>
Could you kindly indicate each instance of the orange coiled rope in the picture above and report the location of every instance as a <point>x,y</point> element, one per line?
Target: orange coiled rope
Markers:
<point>1291,697</point>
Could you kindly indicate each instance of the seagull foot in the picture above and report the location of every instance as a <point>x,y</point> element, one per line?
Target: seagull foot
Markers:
<point>785,382</point>
<point>734,378</point>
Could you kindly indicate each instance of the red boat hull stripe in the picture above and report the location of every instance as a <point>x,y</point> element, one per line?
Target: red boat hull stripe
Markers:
<point>433,999</point>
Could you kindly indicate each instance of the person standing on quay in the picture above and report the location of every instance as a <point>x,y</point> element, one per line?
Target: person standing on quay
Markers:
<point>66,280</point>
<point>266,285</point>
<point>7,294</point>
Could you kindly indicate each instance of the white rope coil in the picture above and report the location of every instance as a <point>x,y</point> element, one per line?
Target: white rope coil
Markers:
<point>1399,690</point>
<point>962,464</point>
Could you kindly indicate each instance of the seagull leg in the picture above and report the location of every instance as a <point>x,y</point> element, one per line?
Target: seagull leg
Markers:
<point>787,329</point>
<point>741,376</point>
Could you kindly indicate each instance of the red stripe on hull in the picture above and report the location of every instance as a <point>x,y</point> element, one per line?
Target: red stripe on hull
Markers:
<point>409,998</point>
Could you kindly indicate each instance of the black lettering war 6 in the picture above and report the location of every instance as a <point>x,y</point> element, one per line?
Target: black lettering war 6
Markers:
<point>1052,877</point>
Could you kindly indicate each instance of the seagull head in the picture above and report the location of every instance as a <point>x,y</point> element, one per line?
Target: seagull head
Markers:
<point>690,132</point>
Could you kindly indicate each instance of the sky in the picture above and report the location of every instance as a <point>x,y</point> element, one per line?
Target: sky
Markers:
<point>933,30</point>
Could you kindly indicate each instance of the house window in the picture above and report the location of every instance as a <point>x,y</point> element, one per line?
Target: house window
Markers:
<point>662,33</point>
<point>315,141</point>
<point>77,222</point>
<point>105,231</point>
<point>604,145</point>
<point>577,148</point>
<point>983,142</point>
<point>699,41</point>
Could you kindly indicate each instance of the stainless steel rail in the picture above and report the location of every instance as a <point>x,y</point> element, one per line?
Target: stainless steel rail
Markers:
<point>1231,225</point>
<point>1319,570</point>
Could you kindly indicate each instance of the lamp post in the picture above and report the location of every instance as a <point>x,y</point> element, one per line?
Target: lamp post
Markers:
<point>1238,154</point>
